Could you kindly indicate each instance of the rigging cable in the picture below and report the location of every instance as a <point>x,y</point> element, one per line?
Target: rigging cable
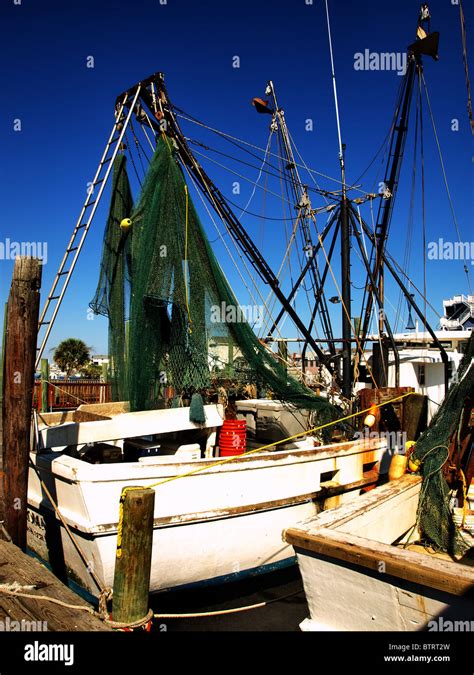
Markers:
<point>336,104</point>
<point>466,269</point>
<point>236,173</point>
<point>410,225</point>
<point>466,69</point>
<point>259,175</point>
<point>252,297</point>
<point>189,118</point>
<point>132,160</point>
<point>423,210</point>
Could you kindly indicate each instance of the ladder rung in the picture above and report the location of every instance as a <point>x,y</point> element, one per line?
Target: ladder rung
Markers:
<point>106,161</point>
<point>70,250</point>
<point>44,323</point>
<point>79,227</point>
<point>53,297</point>
<point>60,274</point>
<point>90,204</point>
<point>98,182</point>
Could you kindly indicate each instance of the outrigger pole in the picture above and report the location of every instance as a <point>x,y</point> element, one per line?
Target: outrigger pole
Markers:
<point>151,94</point>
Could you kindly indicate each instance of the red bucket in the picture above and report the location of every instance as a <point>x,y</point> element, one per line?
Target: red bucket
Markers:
<point>233,438</point>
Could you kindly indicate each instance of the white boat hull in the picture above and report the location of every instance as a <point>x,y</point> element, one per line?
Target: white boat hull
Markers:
<point>208,527</point>
<point>355,579</point>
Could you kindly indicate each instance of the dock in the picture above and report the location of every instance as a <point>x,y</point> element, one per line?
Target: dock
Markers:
<point>34,579</point>
<point>18,613</point>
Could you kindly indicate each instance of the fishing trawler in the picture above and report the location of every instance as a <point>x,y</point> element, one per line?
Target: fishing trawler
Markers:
<point>204,410</point>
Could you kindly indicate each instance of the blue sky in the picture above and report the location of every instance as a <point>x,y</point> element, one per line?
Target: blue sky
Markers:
<point>66,113</point>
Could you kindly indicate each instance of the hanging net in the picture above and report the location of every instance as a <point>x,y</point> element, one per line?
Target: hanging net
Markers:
<point>434,514</point>
<point>187,332</point>
<point>112,295</point>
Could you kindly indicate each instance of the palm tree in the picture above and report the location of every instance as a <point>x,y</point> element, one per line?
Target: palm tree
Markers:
<point>71,355</point>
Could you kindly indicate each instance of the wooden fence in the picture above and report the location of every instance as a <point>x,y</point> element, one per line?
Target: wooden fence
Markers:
<point>64,394</point>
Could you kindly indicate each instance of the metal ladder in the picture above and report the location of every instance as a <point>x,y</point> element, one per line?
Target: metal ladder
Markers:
<point>79,233</point>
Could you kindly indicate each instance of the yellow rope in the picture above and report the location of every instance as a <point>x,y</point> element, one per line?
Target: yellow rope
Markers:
<point>65,392</point>
<point>232,459</point>
<point>186,289</point>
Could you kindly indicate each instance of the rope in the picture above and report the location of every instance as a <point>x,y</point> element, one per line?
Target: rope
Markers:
<point>66,526</point>
<point>19,593</point>
<point>130,624</point>
<point>66,392</point>
<point>222,612</point>
<point>220,462</point>
<point>15,589</point>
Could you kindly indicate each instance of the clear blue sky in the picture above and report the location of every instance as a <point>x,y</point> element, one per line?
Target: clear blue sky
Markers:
<point>66,113</point>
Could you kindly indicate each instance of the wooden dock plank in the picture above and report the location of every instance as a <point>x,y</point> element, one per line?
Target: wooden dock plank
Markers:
<point>17,566</point>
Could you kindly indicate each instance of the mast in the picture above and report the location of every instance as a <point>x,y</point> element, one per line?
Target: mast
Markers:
<point>306,214</point>
<point>426,45</point>
<point>345,242</point>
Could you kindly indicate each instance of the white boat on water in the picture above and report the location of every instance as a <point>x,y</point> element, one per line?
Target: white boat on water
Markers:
<point>212,526</point>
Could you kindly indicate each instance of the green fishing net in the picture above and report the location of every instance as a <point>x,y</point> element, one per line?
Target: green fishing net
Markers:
<point>112,295</point>
<point>186,329</point>
<point>434,515</point>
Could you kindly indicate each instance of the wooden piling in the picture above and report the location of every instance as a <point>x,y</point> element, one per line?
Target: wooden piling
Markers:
<point>44,384</point>
<point>133,561</point>
<point>18,382</point>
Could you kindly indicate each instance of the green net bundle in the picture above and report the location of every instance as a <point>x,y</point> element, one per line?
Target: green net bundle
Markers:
<point>434,515</point>
<point>186,329</point>
<point>111,297</point>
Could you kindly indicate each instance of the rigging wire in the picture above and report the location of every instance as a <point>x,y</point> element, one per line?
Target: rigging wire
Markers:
<point>132,160</point>
<point>189,118</point>
<point>466,69</point>
<point>410,226</point>
<point>259,175</point>
<point>280,175</point>
<point>252,297</point>
<point>423,209</point>
<point>336,104</point>
<point>236,173</point>
<point>448,192</point>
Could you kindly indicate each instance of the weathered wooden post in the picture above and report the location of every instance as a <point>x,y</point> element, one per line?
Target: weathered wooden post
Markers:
<point>18,382</point>
<point>133,560</point>
<point>44,384</point>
